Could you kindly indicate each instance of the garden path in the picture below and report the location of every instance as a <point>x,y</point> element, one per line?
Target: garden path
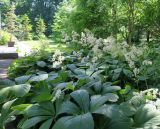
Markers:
<point>7,55</point>
<point>4,64</point>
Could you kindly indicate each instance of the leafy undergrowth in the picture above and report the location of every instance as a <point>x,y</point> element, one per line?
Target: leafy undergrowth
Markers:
<point>66,91</point>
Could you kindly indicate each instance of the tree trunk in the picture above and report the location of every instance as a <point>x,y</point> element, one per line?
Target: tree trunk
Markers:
<point>130,20</point>
<point>148,36</point>
<point>114,15</point>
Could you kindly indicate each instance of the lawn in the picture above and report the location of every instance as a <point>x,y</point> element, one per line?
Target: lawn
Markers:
<point>25,47</point>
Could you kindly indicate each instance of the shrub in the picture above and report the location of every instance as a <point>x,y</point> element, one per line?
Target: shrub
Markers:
<point>40,28</point>
<point>4,37</point>
<point>25,28</point>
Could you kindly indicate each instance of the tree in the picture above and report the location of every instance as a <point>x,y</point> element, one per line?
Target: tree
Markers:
<point>11,20</point>
<point>40,28</point>
<point>2,3</point>
<point>131,16</point>
<point>114,18</point>
<point>34,8</point>
<point>26,27</point>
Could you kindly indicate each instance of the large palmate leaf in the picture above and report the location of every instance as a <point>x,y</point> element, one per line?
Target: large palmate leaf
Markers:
<point>33,121</point>
<point>70,108</point>
<point>84,121</point>
<point>14,91</point>
<point>22,79</point>
<point>147,116</point>
<point>82,98</point>
<point>47,124</point>
<point>6,82</point>
<point>105,89</point>
<point>37,113</point>
<point>41,64</point>
<point>144,117</point>
<point>6,114</point>
<point>80,110</point>
<point>38,78</point>
<point>118,120</point>
<point>97,101</point>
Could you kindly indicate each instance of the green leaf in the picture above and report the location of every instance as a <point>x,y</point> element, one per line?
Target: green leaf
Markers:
<point>79,71</point>
<point>38,110</point>
<point>20,90</point>
<point>82,99</point>
<point>38,78</point>
<point>97,101</point>
<point>110,89</point>
<point>142,78</point>
<point>5,112</point>
<point>118,70</point>
<point>46,124</point>
<point>118,120</point>
<point>6,82</point>
<point>84,121</point>
<point>41,64</point>
<point>97,73</point>
<point>98,86</point>
<point>147,115</point>
<point>22,79</point>
<point>43,97</point>
<point>112,97</point>
<point>21,107</point>
<point>69,108</point>
<point>126,90</point>
<point>70,86</point>
<point>33,121</point>
<point>72,67</point>
<point>52,76</point>
<point>127,72</point>
<point>14,91</point>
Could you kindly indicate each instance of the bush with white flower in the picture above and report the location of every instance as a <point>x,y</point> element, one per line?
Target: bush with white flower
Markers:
<point>134,63</point>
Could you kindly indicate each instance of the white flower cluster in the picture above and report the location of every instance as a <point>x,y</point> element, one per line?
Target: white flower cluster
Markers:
<point>75,36</point>
<point>133,55</point>
<point>65,37</point>
<point>88,39</point>
<point>147,62</point>
<point>136,71</point>
<point>57,58</point>
<point>100,47</point>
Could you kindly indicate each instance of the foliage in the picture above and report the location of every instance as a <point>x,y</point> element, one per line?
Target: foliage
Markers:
<point>72,15</point>
<point>123,19</point>
<point>4,37</point>
<point>26,64</point>
<point>11,20</point>
<point>133,64</point>
<point>108,83</point>
<point>76,90</point>
<point>34,8</point>
<point>40,28</point>
<point>25,28</point>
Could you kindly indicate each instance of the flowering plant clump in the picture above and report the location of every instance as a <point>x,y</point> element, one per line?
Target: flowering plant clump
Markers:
<point>101,47</point>
<point>119,59</point>
<point>65,37</point>
<point>57,59</point>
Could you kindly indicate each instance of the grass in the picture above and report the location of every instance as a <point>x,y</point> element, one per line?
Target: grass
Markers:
<point>25,47</point>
